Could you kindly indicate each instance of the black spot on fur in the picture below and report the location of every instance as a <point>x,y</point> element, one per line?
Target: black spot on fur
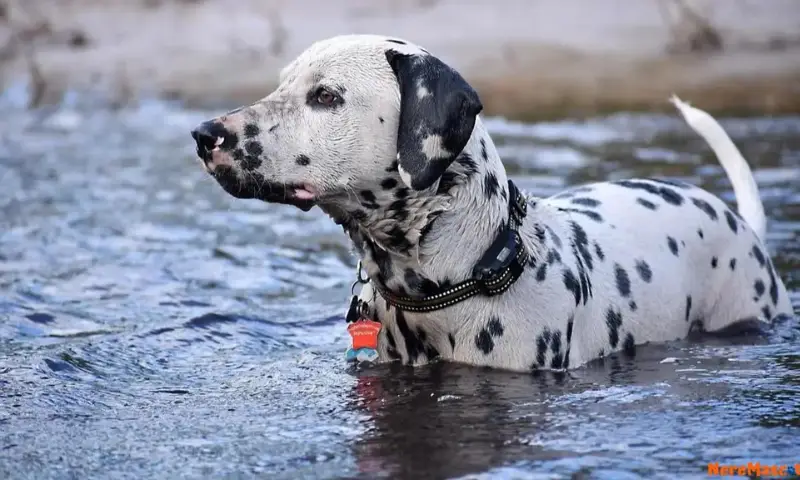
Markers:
<point>253,148</point>
<point>495,327</point>
<point>380,119</point>
<point>759,256</point>
<point>555,346</point>
<point>632,306</point>
<point>765,310</point>
<point>541,272</point>
<point>646,203</point>
<point>705,207</point>
<point>419,284</point>
<point>553,257</point>
<point>401,193</point>
<point>644,270</point>
<point>673,183</point>
<point>623,281</point>
<point>714,262</point>
<point>731,221</point>
<point>539,231</point>
<point>388,183</point>
<point>569,329</point>
<point>398,210</point>
<point>392,167</point>
<point>572,285</point>
<point>732,264</point>
<point>484,342</point>
<point>468,164</point>
<point>398,240</point>
<point>629,345</point>
<point>688,306</point>
<point>414,347</point>
<point>484,155</point>
<point>452,339</point>
<point>273,128</point>
<point>587,213</point>
<point>251,130</point>
<point>238,155</point>
<point>760,288</point>
<point>490,185</point>
<point>669,195</point>
<point>302,160</point>
<point>392,350</point>
<point>369,199</point>
<point>430,351</point>
<point>773,285</point>
<point>399,42</point>
<point>542,341</point>
<point>699,233</point>
<point>585,282</point>
<point>555,237</point>
<point>383,262</point>
<point>613,322</point>
<point>673,245</point>
<point>586,201</point>
<point>581,242</point>
<point>250,162</point>
<point>599,251</point>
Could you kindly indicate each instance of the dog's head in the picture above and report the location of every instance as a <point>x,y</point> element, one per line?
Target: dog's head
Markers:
<point>349,111</point>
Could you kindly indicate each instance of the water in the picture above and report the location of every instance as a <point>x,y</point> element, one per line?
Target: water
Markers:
<point>153,327</point>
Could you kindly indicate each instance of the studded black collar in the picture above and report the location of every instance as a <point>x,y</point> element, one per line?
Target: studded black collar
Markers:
<point>496,271</point>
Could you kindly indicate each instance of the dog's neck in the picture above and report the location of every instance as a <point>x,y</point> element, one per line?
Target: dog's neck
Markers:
<point>414,242</point>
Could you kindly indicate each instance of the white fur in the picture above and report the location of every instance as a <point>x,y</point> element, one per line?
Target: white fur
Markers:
<point>351,151</point>
<point>736,167</point>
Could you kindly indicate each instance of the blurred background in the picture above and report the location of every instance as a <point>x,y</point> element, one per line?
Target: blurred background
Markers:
<point>529,58</point>
<point>152,326</point>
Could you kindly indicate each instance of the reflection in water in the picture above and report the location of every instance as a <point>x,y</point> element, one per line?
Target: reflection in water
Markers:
<point>153,327</point>
<point>644,415</point>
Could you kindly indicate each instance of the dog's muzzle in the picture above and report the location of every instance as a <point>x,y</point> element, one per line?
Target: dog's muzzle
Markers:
<point>214,144</point>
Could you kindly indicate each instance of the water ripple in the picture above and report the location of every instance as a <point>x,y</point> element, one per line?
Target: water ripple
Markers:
<point>152,326</point>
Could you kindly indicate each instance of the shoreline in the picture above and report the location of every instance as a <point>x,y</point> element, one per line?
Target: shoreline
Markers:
<point>550,61</point>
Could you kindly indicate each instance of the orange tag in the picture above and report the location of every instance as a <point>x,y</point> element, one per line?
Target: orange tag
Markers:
<point>364,333</point>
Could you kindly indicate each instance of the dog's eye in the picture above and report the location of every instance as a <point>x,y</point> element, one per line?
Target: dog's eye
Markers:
<point>325,97</point>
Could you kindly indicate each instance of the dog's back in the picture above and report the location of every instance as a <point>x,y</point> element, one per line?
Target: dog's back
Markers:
<point>667,257</point>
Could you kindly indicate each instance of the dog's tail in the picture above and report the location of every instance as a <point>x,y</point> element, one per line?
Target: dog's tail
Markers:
<point>741,177</point>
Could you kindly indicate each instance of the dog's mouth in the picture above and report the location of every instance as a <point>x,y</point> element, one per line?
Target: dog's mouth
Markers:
<point>255,186</point>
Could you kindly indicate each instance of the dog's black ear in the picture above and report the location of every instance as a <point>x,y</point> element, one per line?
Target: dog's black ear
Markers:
<point>438,109</point>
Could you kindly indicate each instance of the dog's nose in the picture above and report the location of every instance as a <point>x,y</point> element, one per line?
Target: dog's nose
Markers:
<point>209,135</point>
<point>206,137</point>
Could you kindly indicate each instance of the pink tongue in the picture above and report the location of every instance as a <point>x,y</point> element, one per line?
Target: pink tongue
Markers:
<point>303,194</point>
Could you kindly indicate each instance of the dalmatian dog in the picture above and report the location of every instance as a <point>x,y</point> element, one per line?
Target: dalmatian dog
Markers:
<point>388,141</point>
